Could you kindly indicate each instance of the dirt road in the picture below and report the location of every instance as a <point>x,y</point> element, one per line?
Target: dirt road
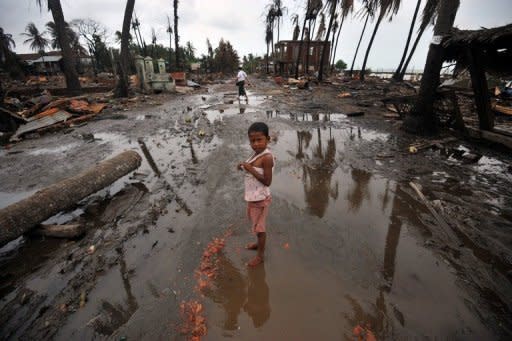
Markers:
<point>350,243</point>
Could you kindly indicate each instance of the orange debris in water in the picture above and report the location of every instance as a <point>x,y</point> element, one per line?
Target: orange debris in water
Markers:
<point>363,334</point>
<point>194,322</point>
<point>286,246</point>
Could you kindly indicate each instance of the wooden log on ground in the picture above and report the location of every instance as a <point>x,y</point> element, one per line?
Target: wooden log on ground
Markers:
<point>24,215</point>
<point>60,231</point>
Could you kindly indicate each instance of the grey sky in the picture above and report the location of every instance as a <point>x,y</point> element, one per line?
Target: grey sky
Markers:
<point>241,22</point>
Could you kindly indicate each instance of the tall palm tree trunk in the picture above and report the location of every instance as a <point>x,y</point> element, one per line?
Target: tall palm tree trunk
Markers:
<point>359,44</point>
<point>122,82</point>
<point>68,64</point>
<point>411,53</point>
<point>176,36</point>
<point>422,118</point>
<point>396,75</point>
<point>308,45</point>
<point>299,54</point>
<point>337,39</point>
<point>326,41</point>
<point>377,24</point>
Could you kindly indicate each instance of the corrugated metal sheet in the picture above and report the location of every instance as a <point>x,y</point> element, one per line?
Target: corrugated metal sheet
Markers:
<point>47,59</point>
<point>46,121</point>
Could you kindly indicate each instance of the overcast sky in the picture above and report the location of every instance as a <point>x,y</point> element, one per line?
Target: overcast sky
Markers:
<point>242,23</point>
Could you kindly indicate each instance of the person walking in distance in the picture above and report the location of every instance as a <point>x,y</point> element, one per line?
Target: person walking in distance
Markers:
<point>241,77</point>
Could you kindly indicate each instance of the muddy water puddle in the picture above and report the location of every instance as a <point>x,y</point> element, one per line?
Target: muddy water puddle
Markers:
<point>345,249</point>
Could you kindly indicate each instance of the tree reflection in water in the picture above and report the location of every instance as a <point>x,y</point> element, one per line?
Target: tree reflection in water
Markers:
<point>318,169</point>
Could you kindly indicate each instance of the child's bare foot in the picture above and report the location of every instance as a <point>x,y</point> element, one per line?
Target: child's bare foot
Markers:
<point>253,246</point>
<point>255,261</point>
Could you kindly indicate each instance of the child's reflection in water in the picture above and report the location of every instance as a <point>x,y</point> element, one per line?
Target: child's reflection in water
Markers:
<point>258,303</point>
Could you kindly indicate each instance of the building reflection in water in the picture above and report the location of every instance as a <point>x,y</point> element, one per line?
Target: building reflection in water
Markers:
<point>318,169</point>
<point>233,291</point>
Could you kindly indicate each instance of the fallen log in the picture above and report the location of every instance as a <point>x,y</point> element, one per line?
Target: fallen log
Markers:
<point>60,231</point>
<point>24,215</point>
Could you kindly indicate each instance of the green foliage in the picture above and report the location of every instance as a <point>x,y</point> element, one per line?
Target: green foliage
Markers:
<point>341,65</point>
<point>250,63</point>
<point>226,58</point>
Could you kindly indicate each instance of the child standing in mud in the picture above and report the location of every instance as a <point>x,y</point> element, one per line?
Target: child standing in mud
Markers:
<point>258,177</point>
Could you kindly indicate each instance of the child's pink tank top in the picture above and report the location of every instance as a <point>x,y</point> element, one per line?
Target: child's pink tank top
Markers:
<point>255,190</point>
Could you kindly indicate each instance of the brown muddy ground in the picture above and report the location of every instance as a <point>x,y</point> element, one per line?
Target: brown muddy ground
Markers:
<point>349,242</point>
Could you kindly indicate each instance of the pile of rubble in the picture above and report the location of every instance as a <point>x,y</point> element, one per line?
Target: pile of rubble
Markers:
<point>20,117</point>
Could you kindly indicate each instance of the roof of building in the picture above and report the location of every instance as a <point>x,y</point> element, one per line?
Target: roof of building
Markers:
<point>45,59</point>
<point>314,42</point>
<point>36,57</point>
<point>495,44</point>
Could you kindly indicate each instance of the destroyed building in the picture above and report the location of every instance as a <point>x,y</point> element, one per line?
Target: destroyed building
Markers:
<point>287,52</point>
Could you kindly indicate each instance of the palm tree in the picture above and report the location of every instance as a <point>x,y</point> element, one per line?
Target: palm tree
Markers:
<point>37,40</point>
<point>296,30</point>
<point>386,7</point>
<point>268,39</point>
<point>302,39</point>
<point>314,9</point>
<point>169,30</point>
<point>347,6</point>
<point>396,75</point>
<point>331,4</point>
<point>321,28</point>
<point>6,45</point>
<point>270,19</point>
<point>153,42</point>
<point>122,83</point>
<point>68,66</point>
<point>368,10</point>
<point>176,36</point>
<point>428,18</point>
<point>51,29</point>
<point>422,118</point>
<point>279,11</point>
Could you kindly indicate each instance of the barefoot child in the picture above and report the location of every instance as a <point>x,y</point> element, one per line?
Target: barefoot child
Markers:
<point>258,177</point>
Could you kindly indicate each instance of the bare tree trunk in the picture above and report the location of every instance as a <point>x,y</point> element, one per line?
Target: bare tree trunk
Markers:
<point>396,75</point>
<point>333,61</point>
<point>176,36</point>
<point>122,82</point>
<point>24,215</point>
<point>326,41</point>
<point>377,24</point>
<point>267,57</point>
<point>358,44</point>
<point>413,49</point>
<point>68,65</point>
<point>299,55</point>
<point>422,118</point>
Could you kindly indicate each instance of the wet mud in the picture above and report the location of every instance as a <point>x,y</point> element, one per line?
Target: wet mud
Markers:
<point>350,244</point>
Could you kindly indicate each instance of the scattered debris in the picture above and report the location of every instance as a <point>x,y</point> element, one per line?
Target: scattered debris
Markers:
<point>344,95</point>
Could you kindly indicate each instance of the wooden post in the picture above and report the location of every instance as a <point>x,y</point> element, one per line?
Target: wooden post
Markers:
<point>481,89</point>
<point>24,215</point>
